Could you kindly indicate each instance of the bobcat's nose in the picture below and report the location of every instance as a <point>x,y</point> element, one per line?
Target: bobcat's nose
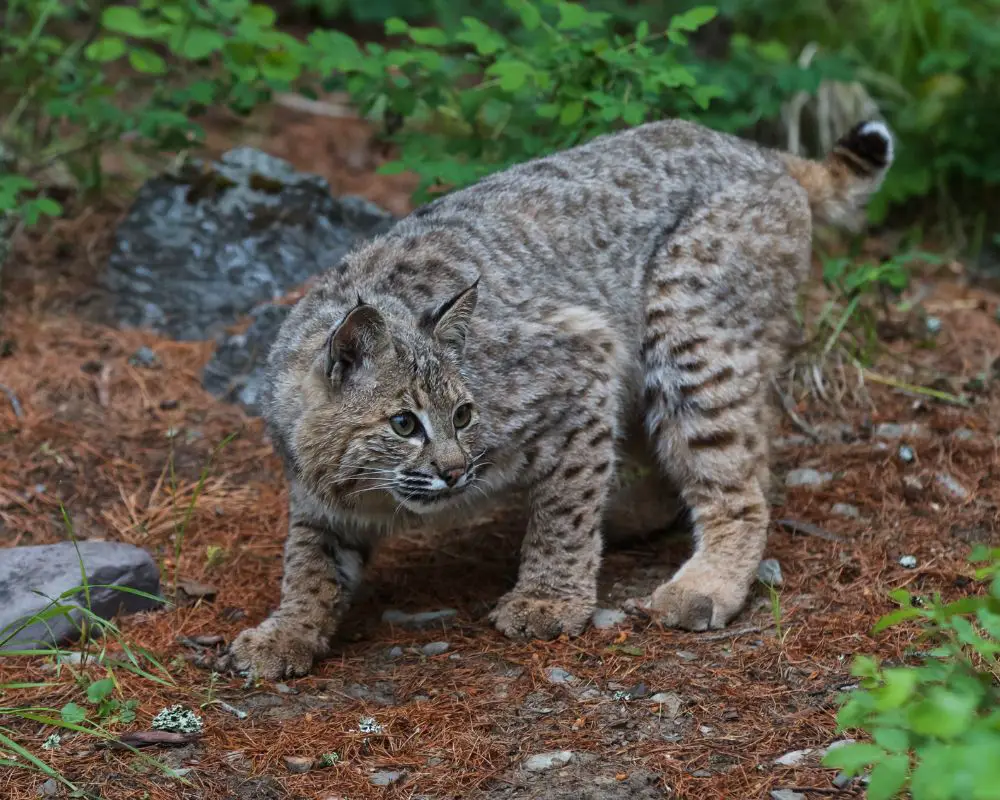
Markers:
<point>450,474</point>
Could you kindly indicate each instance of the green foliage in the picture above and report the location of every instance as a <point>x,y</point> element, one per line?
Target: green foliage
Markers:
<point>472,100</point>
<point>71,95</point>
<point>935,726</point>
<point>931,65</point>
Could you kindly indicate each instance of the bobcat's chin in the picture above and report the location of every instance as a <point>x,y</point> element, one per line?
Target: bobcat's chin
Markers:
<point>431,502</point>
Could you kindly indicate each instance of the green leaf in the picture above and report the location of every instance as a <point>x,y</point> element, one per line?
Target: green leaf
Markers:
<point>394,26</point>
<point>693,19</point>
<point>127,20</point>
<point>99,690</point>
<point>895,740</point>
<point>107,48</point>
<point>900,614</point>
<point>48,206</point>
<point>642,30</point>
<point>852,758</point>
<point>483,38</point>
<point>512,74</point>
<point>200,43</point>
<point>261,16</point>
<point>571,113</point>
<point>73,714</point>
<point>888,777</point>
<point>530,16</point>
<point>900,684</point>
<point>573,17</point>
<point>548,110</point>
<point>431,37</point>
<point>147,61</point>
<point>943,714</point>
<point>705,94</point>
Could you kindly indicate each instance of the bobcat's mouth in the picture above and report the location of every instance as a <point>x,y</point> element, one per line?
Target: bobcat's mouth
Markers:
<point>422,494</point>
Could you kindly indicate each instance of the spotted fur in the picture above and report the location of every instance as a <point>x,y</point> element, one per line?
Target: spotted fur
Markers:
<point>636,290</point>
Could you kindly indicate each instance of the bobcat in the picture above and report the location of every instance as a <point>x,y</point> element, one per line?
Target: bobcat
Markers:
<point>516,335</point>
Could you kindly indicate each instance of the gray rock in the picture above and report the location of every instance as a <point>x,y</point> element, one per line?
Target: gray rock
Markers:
<point>846,510</point>
<point>235,372</point>
<point>54,569</point>
<point>421,620</point>
<point>686,655</point>
<point>395,652</point>
<point>435,648</point>
<point>49,788</point>
<point>964,435</point>
<point>786,794</point>
<point>952,487</point>
<point>558,675</point>
<point>842,780</point>
<point>670,704</point>
<point>605,618</point>
<point>807,477</point>
<point>144,357</point>
<point>542,762</point>
<point>769,572</point>
<point>907,454</point>
<point>385,778</point>
<point>201,247</point>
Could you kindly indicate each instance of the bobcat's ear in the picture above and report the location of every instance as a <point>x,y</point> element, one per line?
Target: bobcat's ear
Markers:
<point>449,324</point>
<point>361,335</point>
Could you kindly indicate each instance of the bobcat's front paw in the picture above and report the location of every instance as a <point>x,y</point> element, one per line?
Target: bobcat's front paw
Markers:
<point>519,615</point>
<point>697,601</point>
<point>277,648</point>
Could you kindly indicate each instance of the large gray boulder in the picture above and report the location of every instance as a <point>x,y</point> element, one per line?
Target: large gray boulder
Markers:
<point>203,246</point>
<point>31,576</point>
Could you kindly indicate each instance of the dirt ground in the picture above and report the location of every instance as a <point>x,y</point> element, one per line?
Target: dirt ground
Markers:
<point>98,436</point>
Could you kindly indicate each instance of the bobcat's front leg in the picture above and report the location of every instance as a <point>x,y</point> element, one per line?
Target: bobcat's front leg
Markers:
<point>322,572</point>
<point>556,589</point>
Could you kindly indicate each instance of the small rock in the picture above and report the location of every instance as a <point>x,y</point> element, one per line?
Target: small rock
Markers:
<point>952,487</point>
<point>420,620</point>
<point>705,730</point>
<point>546,761</point>
<point>196,590</point>
<point>910,562</point>
<point>435,648</point>
<point>284,688</point>
<point>701,773</point>
<point>891,430</point>
<point>669,703</point>
<point>395,652</point>
<point>933,325</point>
<point>807,477</point>
<point>846,510</point>
<point>906,454</point>
<point>842,781</point>
<point>913,487</point>
<point>964,435</point>
<point>686,655</point>
<point>769,572</point>
<point>638,692</point>
<point>385,778</point>
<point>298,765</point>
<point>144,357</point>
<point>589,694</point>
<point>49,788</point>
<point>559,675</point>
<point>731,716</point>
<point>605,618</point>
<point>786,794</point>
<point>794,759</point>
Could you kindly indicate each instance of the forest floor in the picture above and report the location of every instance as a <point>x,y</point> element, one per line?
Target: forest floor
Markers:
<point>101,436</point>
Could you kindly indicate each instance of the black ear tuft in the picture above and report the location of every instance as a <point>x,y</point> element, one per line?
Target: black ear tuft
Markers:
<point>450,322</point>
<point>361,334</point>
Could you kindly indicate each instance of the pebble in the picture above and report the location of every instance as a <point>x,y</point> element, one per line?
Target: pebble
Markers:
<point>769,572</point>
<point>701,773</point>
<point>793,759</point>
<point>542,762</point>
<point>420,620</point>
<point>144,357</point>
<point>951,486</point>
<point>910,562</point>
<point>298,765</point>
<point>842,781</point>
<point>605,618</point>
<point>435,648</point>
<point>558,675</point>
<point>385,778</point>
<point>933,325</point>
<point>846,510</point>
<point>964,434</point>
<point>892,430</point>
<point>786,794</point>
<point>807,477</point>
<point>395,652</point>
<point>669,703</point>
<point>906,454</point>
<point>284,688</point>
<point>49,788</point>
<point>686,655</point>
<point>638,692</point>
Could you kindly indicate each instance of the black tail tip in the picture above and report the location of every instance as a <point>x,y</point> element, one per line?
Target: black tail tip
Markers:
<point>871,141</point>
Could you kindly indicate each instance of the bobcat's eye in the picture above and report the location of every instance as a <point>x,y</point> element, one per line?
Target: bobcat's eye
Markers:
<point>404,424</point>
<point>463,416</point>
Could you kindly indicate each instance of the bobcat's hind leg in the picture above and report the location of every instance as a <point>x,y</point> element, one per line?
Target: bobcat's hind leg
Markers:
<point>718,315</point>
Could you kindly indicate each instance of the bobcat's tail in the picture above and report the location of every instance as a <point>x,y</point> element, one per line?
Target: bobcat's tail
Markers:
<point>840,185</point>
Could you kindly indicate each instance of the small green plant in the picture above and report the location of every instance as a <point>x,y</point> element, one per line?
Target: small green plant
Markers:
<point>467,101</point>
<point>935,726</point>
